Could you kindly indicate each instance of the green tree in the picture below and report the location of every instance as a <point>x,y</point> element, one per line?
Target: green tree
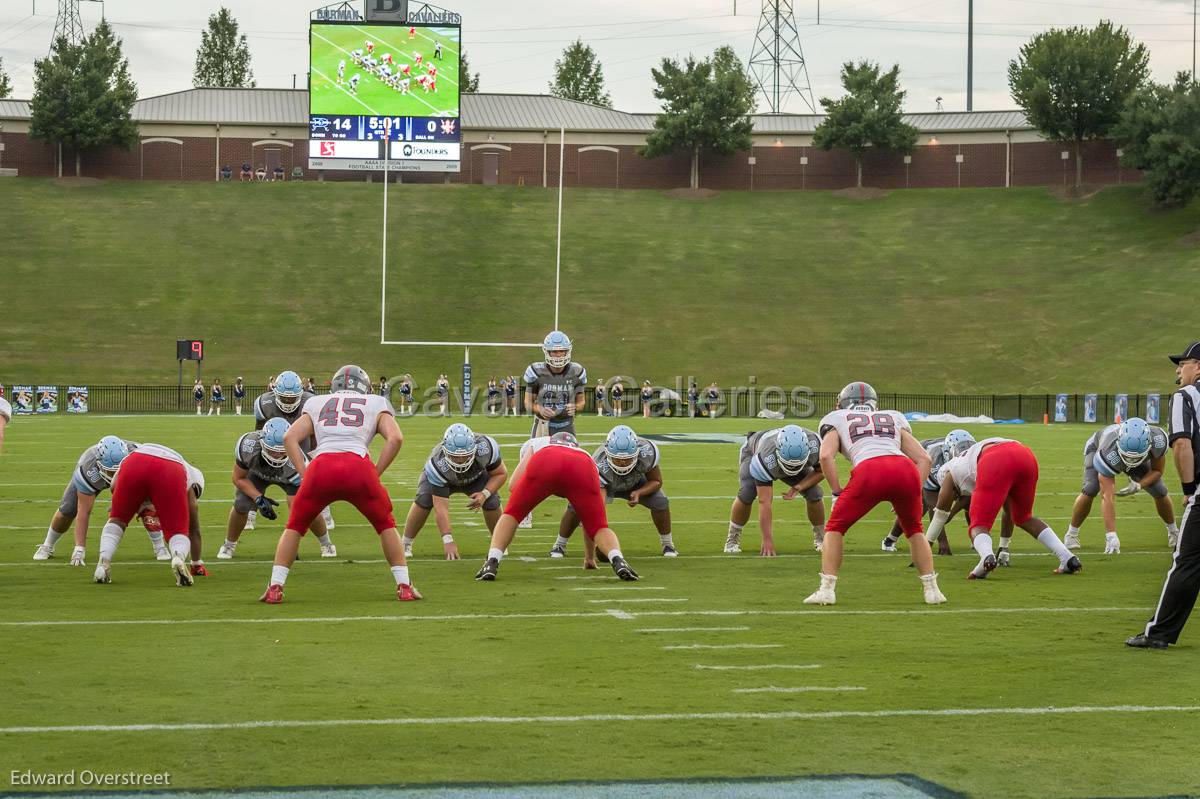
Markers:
<point>223,58</point>
<point>868,116</point>
<point>469,83</point>
<point>1073,83</point>
<point>579,76</point>
<point>83,96</point>
<point>706,106</point>
<point>5,83</point>
<point>1160,133</point>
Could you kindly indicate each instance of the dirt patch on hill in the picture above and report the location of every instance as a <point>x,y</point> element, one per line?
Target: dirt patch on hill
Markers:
<point>865,193</point>
<point>1084,192</point>
<point>692,194</point>
<point>73,182</point>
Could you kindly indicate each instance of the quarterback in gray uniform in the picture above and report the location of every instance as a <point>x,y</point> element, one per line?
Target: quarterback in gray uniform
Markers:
<point>629,470</point>
<point>93,474</point>
<point>790,454</point>
<point>1136,449</point>
<point>940,451</point>
<point>463,462</point>
<point>260,461</point>
<point>554,388</point>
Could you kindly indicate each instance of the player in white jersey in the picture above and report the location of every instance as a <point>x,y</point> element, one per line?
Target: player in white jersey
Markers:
<point>354,79</point>
<point>344,423</point>
<point>341,78</point>
<point>356,56</point>
<point>887,464</point>
<point>404,86</point>
<point>997,473</point>
<point>6,412</point>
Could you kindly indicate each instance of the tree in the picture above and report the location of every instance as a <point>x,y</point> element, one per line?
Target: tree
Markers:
<point>83,96</point>
<point>1160,133</point>
<point>470,83</point>
<point>579,76</point>
<point>223,58</point>
<point>706,106</point>
<point>1073,83</point>
<point>5,83</point>
<point>868,116</point>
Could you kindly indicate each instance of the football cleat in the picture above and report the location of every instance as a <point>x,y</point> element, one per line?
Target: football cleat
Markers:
<point>407,593</point>
<point>557,551</point>
<point>822,596</point>
<point>225,552</point>
<point>43,552</point>
<point>985,567</point>
<point>328,517</point>
<point>77,556</point>
<point>818,540</point>
<point>1071,540</point>
<point>1072,566</point>
<point>198,570</point>
<point>1143,641</point>
<point>102,574</point>
<point>273,595</point>
<point>1003,557</point>
<point>733,543</point>
<point>527,522</point>
<point>251,517</point>
<point>331,551</point>
<point>669,551</point>
<point>888,545</point>
<point>933,594</point>
<point>183,575</point>
<point>407,551</point>
<point>162,553</point>
<point>488,570</point>
<point>624,570</point>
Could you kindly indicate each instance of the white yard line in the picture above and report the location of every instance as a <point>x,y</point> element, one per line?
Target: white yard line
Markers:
<point>757,667</point>
<point>620,614</point>
<point>400,51</point>
<point>799,689</point>
<point>782,715</point>
<point>693,630</point>
<point>723,646</point>
<point>621,587</point>
<point>344,90</point>
<point>648,599</point>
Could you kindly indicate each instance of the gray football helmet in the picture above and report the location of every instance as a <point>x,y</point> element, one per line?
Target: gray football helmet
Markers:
<point>858,393</point>
<point>351,378</point>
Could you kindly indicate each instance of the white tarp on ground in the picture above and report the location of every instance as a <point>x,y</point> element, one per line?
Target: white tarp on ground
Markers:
<point>949,418</point>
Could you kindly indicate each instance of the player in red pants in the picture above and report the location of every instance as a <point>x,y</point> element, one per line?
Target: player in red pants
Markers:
<point>158,475</point>
<point>344,423</point>
<point>998,474</point>
<point>556,466</point>
<point>887,465</point>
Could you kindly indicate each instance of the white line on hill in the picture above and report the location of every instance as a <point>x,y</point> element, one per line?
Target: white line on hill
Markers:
<point>723,646</point>
<point>647,599</point>
<point>693,630</point>
<point>801,689</point>
<point>757,667</point>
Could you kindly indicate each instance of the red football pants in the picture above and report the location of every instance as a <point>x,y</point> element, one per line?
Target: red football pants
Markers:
<point>888,478</point>
<point>561,472</point>
<point>345,477</point>
<point>145,477</point>
<point>1007,478</point>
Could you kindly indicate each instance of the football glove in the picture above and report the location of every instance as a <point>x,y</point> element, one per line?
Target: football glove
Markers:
<point>266,506</point>
<point>1130,490</point>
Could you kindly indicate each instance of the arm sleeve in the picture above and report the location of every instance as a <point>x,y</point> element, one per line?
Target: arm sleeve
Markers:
<point>1101,467</point>
<point>582,381</point>
<point>530,378</point>
<point>431,474</point>
<point>81,485</point>
<point>758,472</point>
<point>495,459</point>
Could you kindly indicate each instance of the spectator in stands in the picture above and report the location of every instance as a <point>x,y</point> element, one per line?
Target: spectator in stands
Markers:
<point>278,172</point>
<point>617,394</point>
<point>510,394</point>
<point>260,174</point>
<point>599,396</point>
<point>198,395</point>
<point>270,382</point>
<point>218,398</point>
<point>310,386</point>
<point>247,171</point>
<point>239,395</point>
<point>406,389</point>
<point>383,386</point>
<point>714,394</point>
<point>493,397</point>
<point>647,396</point>
<point>443,393</point>
<point>693,399</point>
<point>227,173</point>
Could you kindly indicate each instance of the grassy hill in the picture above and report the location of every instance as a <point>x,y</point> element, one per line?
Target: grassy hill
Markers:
<point>924,290</point>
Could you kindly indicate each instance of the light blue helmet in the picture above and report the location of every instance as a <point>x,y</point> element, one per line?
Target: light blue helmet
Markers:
<point>1133,441</point>
<point>458,445</point>
<point>957,443</point>
<point>109,454</point>
<point>557,341</point>
<point>288,391</point>
<point>273,451</point>
<point>792,450</point>
<point>621,449</point>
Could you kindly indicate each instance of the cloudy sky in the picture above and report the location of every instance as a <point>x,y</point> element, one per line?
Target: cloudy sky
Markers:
<point>514,44</point>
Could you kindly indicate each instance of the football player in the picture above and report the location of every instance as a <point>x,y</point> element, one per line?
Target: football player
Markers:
<point>431,85</point>
<point>437,50</point>
<point>886,465</point>
<point>629,470</point>
<point>417,58</point>
<point>1137,450</point>
<point>93,474</point>
<point>341,78</point>
<point>554,387</point>
<point>344,423</point>
<point>356,56</point>
<point>285,401</point>
<point>557,466</point>
<point>6,413</point>
<point>370,46</point>
<point>789,454</point>
<point>154,475</point>
<point>940,451</point>
<point>464,462</point>
<point>999,474</point>
<point>354,79</point>
<point>260,461</point>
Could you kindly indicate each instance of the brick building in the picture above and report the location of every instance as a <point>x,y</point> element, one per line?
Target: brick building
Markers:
<point>513,139</point>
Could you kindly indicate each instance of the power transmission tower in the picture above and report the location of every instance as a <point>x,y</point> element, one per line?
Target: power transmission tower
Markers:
<point>777,61</point>
<point>68,24</point>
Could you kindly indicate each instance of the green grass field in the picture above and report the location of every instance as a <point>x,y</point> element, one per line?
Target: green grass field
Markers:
<point>332,44</point>
<point>941,290</point>
<point>1018,687</point>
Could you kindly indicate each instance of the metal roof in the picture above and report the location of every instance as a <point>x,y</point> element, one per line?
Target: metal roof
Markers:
<point>493,112</point>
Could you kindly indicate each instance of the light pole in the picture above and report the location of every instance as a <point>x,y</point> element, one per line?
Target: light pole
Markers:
<point>971,52</point>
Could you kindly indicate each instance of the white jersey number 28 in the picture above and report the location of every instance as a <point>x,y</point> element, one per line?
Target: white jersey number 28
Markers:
<point>862,425</point>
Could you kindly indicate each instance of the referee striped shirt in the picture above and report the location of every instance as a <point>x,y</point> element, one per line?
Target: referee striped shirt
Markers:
<point>1185,418</point>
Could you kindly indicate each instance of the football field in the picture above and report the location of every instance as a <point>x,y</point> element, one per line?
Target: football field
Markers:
<point>710,669</point>
<point>331,44</point>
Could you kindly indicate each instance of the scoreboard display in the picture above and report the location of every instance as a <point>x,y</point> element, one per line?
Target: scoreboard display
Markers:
<point>374,86</point>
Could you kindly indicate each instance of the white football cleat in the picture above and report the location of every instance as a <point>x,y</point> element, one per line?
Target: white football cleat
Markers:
<point>1112,544</point>
<point>1003,558</point>
<point>225,552</point>
<point>1071,540</point>
<point>183,575</point>
<point>77,556</point>
<point>733,543</point>
<point>825,594</point>
<point>162,553</point>
<point>527,522</point>
<point>887,545</point>
<point>328,517</point>
<point>331,551</point>
<point>929,586</point>
<point>407,552</point>
<point>102,574</point>
<point>818,540</point>
<point>43,552</point>
<point>251,517</point>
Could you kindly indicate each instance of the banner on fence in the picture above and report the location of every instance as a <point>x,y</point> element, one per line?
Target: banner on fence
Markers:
<point>77,399</point>
<point>1089,408</point>
<point>22,399</point>
<point>1152,409</point>
<point>1060,408</point>
<point>1120,408</point>
<point>47,399</point>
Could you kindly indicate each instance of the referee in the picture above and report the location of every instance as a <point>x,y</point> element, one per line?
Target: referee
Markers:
<point>1183,580</point>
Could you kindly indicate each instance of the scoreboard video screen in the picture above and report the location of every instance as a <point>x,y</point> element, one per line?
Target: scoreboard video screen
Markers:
<point>373,85</point>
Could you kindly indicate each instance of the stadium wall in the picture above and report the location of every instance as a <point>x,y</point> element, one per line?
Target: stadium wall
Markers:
<point>597,160</point>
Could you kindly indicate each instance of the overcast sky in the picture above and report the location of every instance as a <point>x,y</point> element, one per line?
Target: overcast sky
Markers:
<point>514,44</point>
